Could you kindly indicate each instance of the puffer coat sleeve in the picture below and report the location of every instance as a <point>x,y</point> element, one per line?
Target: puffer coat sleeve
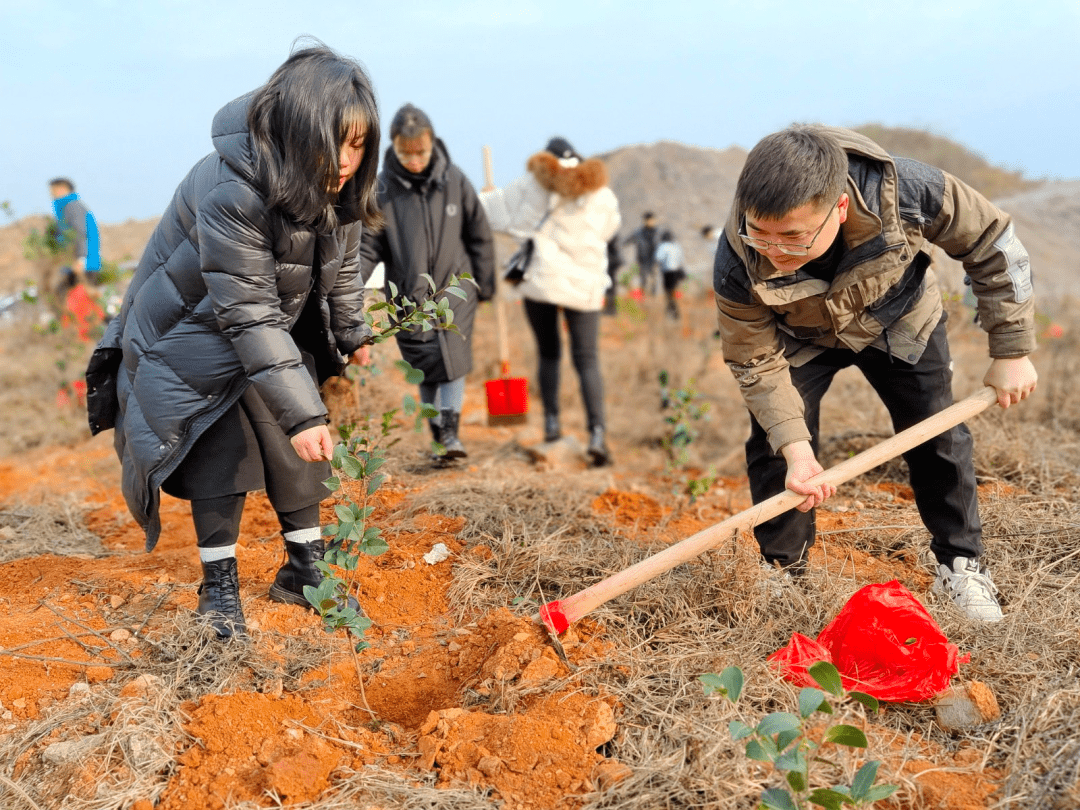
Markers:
<point>240,274</point>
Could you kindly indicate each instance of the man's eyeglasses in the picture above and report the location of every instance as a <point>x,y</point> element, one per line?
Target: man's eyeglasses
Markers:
<point>790,250</point>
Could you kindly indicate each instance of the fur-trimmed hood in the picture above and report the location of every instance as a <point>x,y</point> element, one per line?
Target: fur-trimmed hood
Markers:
<point>589,175</point>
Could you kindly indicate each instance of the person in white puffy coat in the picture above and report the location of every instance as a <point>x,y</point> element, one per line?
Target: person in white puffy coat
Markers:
<point>563,203</point>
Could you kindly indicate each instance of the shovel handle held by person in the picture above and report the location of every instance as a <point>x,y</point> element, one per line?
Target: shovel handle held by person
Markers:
<point>559,614</point>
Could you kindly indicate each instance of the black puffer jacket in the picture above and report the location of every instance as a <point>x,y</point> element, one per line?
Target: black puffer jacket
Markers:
<point>212,309</point>
<point>435,225</point>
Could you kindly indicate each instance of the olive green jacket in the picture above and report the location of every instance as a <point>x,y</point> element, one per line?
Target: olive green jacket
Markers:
<point>884,294</point>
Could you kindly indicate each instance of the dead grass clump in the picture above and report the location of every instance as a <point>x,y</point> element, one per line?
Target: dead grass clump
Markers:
<point>112,743</point>
<point>50,528</point>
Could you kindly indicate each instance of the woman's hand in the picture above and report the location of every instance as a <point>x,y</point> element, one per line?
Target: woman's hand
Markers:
<point>802,466</point>
<point>361,357</point>
<point>313,444</point>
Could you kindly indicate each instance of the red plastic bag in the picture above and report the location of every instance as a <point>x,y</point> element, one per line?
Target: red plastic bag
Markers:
<point>883,642</point>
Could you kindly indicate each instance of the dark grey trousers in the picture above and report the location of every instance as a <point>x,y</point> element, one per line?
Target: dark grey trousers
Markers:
<point>941,469</point>
<point>584,351</point>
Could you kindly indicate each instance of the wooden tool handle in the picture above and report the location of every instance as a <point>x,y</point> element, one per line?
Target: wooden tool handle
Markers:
<point>489,172</point>
<point>559,614</point>
<point>500,315</point>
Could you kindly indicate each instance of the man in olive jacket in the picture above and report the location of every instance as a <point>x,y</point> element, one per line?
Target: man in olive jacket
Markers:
<point>436,226</point>
<point>824,264</point>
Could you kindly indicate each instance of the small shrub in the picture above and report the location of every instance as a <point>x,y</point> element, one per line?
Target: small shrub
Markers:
<point>782,739</point>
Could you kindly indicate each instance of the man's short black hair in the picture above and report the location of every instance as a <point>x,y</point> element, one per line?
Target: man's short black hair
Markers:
<point>798,165</point>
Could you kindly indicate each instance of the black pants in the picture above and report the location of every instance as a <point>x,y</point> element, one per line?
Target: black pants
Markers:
<point>942,471</point>
<point>584,351</point>
<point>217,520</point>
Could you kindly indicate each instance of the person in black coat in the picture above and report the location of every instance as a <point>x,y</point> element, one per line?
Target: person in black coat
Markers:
<point>436,226</point>
<point>247,295</point>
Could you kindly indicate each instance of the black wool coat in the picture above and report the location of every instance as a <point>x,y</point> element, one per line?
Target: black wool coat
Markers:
<point>435,225</point>
<point>213,308</point>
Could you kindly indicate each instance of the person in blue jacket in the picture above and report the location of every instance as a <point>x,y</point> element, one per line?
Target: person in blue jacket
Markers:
<point>75,222</point>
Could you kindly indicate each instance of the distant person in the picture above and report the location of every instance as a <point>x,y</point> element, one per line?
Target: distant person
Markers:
<point>825,264</point>
<point>645,239</point>
<point>247,295</point>
<point>75,222</point>
<point>435,225</point>
<point>670,261</point>
<point>614,262</point>
<point>565,205</point>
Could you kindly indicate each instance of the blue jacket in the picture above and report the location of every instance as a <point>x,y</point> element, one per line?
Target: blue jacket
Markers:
<point>73,216</point>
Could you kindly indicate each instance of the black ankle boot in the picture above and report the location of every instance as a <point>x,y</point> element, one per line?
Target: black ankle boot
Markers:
<point>299,570</point>
<point>450,440</point>
<point>436,431</point>
<point>552,431</point>
<point>219,598</point>
<point>598,450</point>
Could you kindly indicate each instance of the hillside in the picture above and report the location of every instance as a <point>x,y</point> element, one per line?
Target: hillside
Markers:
<point>687,187</point>
<point>971,167</point>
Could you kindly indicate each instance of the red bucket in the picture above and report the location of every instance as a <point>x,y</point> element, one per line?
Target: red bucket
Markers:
<point>507,396</point>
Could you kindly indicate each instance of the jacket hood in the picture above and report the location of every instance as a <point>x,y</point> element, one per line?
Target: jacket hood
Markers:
<point>589,175</point>
<point>440,164</point>
<point>231,136</point>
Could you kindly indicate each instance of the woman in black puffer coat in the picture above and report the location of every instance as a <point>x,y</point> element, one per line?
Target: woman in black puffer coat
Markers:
<point>436,226</point>
<point>246,297</point>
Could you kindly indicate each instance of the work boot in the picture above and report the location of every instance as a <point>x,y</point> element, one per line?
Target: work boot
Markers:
<point>436,430</point>
<point>450,440</point>
<point>598,451</point>
<point>299,570</point>
<point>552,432</point>
<point>219,598</point>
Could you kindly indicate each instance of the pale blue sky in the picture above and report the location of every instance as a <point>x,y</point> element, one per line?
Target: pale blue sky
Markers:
<point>119,95</point>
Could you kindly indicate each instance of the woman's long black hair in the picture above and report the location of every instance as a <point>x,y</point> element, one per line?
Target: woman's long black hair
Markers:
<point>298,121</point>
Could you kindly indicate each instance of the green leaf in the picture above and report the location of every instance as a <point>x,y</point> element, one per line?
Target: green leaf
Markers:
<point>827,798</point>
<point>755,750</point>
<point>739,730</point>
<point>457,292</point>
<point>430,281</point>
<point>793,760</point>
<point>879,792</point>
<point>392,287</point>
<point>869,701</point>
<point>344,513</point>
<point>408,404</point>
<point>414,376</point>
<point>796,779</point>
<point>846,735</point>
<point>827,677</point>
<point>330,530</point>
<point>786,738</point>
<point>333,483</point>
<point>864,780</point>
<point>776,722</point>
<point>374,483</point>
<point>728,683</point>
<point>777,799</point>
<point>447,316</point>
<point>812,700</point>
<point>351,466</point>
<point>375,547</point>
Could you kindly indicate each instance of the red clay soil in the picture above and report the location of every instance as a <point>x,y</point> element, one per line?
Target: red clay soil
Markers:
<point>460,700</point>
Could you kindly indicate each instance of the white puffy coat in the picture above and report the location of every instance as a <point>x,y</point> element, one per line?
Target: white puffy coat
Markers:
<point>569,263</point>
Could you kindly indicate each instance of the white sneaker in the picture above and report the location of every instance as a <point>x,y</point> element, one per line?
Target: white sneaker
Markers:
<point>774,580</point>
<point>969,586</point>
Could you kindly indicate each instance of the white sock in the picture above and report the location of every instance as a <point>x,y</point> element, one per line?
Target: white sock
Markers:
<point>304,535</point>
<point>216,553</point>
